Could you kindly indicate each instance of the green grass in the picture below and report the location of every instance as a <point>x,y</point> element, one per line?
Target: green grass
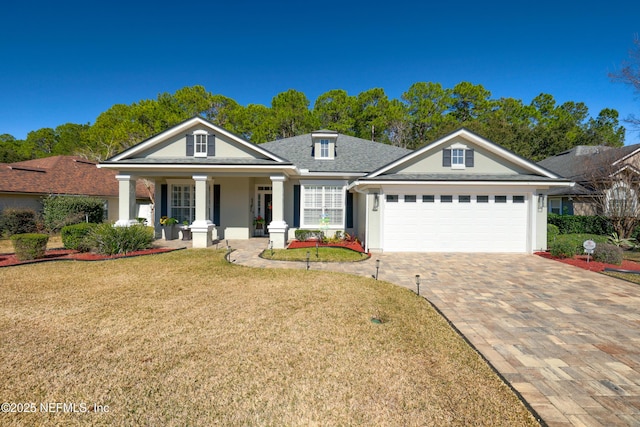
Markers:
<point>185,338</point>
<point>325,254</point>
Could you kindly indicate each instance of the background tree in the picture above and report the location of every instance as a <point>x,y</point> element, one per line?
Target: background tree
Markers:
<point>371,119</point>
<point>335,110</point>
<point>291,114</point>
<point>10,149</point>
<point>629,74</point>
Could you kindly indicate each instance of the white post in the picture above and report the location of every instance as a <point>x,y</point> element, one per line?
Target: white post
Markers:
<point>278,227</point>
<point>126,201</point>
<point>202,227</point>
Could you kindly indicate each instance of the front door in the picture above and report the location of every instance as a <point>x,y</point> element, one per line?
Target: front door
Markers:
<point>262,210</point>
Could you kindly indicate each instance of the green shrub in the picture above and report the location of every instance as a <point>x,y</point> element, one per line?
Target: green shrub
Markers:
<point>77,236</point>
<point>607,253</point>
<point>29,246</point>
<point>563,249</point>
<point>552,232</point>
<point>581,224</point>
<point>109,240</point>
<point>568,245</point>
<point>18,221</point>
<point>66,210</point>
<point>303,235</point>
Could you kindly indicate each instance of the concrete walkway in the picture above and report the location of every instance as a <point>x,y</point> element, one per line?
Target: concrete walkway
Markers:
<point>568,340</point>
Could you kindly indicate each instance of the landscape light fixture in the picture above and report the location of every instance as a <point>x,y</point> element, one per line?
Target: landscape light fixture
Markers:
<point>308,255</point>
<point>418,283</point>
<point>317,244</point>
<point>271,246</point>
<point>377,268</point>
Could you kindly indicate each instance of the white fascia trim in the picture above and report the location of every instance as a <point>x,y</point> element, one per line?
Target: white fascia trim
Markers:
<point>633,153</point>
<point>161,167</point>
<point>465,183</point>
<point>485,143</point>
<point>304,174</point>
<point>183,127</point>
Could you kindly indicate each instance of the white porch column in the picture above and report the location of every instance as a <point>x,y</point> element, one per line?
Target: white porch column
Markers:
<point>202,228</point>
<point>278,227</point>
<point>126,200</point>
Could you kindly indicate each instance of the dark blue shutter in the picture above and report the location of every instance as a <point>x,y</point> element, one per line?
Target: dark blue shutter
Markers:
<point>349,210</point>
<point>468,158</point>
<point>446,158</point>
<point>190,145</point>
<point>164,198</point>
<point>296,206</point>
<point>211,145</point>
<point>216,204</point>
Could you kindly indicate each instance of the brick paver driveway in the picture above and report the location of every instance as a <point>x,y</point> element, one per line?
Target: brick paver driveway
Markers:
<point>566,339</point>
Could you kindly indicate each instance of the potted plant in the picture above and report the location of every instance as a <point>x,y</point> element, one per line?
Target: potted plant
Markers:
<point>186,230</point>
<point>168,227</point>
<point>258,222</point>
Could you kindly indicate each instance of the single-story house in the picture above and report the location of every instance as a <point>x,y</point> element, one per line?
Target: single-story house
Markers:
<point>460,193</point>
<point>24,184</point>
<point>597,171</point>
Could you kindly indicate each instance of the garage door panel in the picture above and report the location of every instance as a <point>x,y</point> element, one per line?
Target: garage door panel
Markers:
<point>455,226</point>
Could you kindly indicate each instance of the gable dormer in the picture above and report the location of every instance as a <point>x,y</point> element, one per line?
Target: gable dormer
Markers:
<point>324,144</point>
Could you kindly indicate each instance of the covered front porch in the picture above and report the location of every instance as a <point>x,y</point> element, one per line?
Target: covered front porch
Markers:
<point>213,206</point>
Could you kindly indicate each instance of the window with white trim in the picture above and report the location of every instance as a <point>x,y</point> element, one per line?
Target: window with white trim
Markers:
<point>200,145</point>
<point>622,201</point>
<point>323,205</point>
<point>324,148</point>
<point>457,157</point>
<point>183,203</point>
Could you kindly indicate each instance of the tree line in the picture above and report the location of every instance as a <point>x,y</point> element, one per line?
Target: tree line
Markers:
<point>425,112</point>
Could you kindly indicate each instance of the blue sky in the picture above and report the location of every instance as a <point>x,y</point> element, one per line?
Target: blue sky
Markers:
<point>69,61</point>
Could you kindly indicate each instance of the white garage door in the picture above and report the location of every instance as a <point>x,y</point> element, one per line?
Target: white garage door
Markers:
<point>455,223</point>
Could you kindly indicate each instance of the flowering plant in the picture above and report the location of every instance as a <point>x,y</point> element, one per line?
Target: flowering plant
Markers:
<point>168,221</point>
<point>258,220</point>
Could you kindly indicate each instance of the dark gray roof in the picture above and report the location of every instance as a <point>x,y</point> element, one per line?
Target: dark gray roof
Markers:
<point>352,154</point>
<point>584,160</point>
<point>460,177</point>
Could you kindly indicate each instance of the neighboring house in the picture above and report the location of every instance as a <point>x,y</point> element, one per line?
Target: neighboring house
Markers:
<point>24,184</point>
<point>460,193</point>
<point>598,171</point>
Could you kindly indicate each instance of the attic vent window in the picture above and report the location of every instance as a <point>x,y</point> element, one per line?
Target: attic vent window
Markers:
<point>324,148</point>
<point>201,144</point>
<point>458,156</point>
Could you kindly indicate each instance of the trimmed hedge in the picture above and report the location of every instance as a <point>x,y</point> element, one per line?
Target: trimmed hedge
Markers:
<point>109,240</point>
<point>568,245</point>
<point>77,236</point>
<point>60,211</point>
<point>29,246</point>
<point>18,221</point>
<point>576,224</point>
<point>607,253</point>
<point>303,235</point>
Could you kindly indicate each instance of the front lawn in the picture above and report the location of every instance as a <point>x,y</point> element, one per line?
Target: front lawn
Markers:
<point>325,254</point>
<point>187,339</point>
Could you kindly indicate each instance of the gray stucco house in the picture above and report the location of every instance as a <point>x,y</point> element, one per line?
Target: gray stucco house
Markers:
<point>461,193</point>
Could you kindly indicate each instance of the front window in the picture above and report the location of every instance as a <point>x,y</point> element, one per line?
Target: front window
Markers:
<point>183,204</point>
<point>622,201</point>
<point>323,205</point>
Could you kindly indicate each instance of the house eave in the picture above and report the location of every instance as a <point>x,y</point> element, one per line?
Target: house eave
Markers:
<point>536,184</point>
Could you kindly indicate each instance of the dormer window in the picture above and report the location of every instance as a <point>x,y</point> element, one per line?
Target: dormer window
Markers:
<point>201,144</point>
<point>324,148</point>
<point>324,144</point>
<point>458,156</point>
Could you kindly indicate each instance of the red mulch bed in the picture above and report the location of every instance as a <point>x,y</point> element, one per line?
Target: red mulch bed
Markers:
<point>354,246</point>
<point>7,260</point>
<point>581,261</point>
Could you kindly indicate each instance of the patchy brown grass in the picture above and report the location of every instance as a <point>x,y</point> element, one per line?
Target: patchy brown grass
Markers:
<point>187,339</point>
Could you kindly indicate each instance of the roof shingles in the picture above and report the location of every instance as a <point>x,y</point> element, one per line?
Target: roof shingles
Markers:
<point>69,175</point>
